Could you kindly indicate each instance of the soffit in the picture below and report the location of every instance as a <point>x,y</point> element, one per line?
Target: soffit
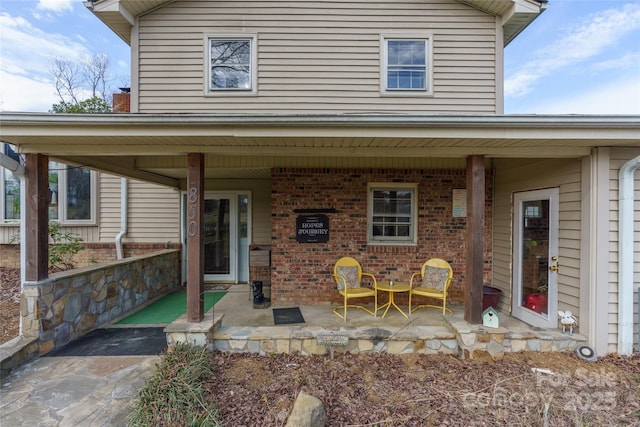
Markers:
<point>515,15</point>
<point>119,15</point>
<point>153,147</point>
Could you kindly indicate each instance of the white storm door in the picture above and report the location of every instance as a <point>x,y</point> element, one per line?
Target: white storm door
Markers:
<point>535,257</point>
<point>220,237</point>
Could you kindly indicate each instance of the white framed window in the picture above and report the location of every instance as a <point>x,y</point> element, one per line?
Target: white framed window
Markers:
<point>231,64</point>
<point>392,213</point>
<point>72,194</point>
<point>9,190</point>
<point>405,66</point>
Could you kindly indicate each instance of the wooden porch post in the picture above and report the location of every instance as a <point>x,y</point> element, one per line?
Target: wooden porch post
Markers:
<point>195,240</point>
<point>36,217</point>
<point>474,239</point>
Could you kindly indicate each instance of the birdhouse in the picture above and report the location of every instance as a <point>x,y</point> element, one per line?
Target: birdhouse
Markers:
<point>490,318</point>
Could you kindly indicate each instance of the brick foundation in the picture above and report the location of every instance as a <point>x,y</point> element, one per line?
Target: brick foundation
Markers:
<point>301,273</point>
<point>92,252</point>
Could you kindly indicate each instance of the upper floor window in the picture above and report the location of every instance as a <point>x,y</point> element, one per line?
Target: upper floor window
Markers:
<point>392,213</point>
<point>232,64</point>
<point>406,65</point>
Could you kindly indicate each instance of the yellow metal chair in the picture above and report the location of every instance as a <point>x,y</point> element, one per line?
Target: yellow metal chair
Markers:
<point>348,275</point>
<point>432,281</point>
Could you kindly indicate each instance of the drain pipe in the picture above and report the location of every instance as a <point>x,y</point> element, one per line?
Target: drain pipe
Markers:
<point>124,207</point>
<point>625,255</point>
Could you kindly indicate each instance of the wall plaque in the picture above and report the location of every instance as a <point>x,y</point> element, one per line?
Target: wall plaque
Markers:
<point>459,202</point>
<point>312,228</point>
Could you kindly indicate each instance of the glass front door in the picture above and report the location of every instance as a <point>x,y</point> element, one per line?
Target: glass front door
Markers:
<point>535,257</point>
<point>226,237</point>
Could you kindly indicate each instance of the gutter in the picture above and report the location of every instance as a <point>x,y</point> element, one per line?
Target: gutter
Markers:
<point>14,166</point>
<point>124,219</point>
<point>625,255</point>
<point>304,120</point>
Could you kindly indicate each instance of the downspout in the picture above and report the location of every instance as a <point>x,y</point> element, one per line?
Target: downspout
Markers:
<point>124,220</point>
<point>625,255</point>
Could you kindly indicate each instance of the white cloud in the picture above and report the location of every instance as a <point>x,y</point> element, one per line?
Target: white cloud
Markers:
<point>56,6</point>
<point>21,93</point>
<point>617,97</point>
<point>579,43</point>
<point>27,55</point>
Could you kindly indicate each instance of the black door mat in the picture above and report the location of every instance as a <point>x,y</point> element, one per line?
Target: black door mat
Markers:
<point>285,316</point>
<point>116,342</point>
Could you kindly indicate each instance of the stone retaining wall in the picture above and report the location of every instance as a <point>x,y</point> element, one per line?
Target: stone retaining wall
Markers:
<point>71,303</point>
<point>304,340</point>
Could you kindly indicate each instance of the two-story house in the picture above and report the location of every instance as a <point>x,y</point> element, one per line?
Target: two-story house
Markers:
<point>383,119</point>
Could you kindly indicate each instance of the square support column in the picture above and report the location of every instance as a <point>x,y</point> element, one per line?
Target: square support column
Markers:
<point>195,237</point>
<point>36,217</point>
<point>475,239</point>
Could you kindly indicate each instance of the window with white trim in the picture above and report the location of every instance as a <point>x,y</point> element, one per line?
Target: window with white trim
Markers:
<point>231,64</point>
<point>392,213</point>
<point>72,194</point>
<point>406,65</point>
<point>9,189</point>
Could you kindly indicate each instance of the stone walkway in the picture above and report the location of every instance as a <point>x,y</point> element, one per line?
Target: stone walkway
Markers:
<point>73,391</point>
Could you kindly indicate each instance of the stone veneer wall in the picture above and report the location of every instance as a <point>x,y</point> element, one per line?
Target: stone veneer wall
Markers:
<point>72,303</point>
<point>301,273</point>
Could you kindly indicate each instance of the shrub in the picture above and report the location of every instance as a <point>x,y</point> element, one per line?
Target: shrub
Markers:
<point>174,395</point>
<point>64,246</point>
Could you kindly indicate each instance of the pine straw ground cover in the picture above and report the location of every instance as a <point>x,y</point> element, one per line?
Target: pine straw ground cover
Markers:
<point>9,303</point>
<point>523,389</point>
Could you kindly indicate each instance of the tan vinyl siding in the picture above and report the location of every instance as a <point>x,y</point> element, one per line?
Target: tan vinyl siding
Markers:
<point>317,57</point>
<point>259,191</point>
<point>513,175</point>
<point>618,157</point>
<point>7,232</point>
<point>154,213</point>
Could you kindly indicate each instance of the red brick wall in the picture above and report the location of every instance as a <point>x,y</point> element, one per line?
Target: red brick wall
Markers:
<point>301,273</point>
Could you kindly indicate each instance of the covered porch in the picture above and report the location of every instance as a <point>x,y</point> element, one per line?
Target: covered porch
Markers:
<point>233,325</point>
<point>196,153</point>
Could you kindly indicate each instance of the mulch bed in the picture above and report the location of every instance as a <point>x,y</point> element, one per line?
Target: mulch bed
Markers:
<point>522,389</point>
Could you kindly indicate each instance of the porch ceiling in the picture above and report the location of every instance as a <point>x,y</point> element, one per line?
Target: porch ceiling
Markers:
<point>153,147</point>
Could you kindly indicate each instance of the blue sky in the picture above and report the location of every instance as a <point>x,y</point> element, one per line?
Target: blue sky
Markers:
<point>579,57</point>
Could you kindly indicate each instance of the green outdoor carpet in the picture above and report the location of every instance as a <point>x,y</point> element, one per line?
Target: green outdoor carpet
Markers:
<point>168,309</point>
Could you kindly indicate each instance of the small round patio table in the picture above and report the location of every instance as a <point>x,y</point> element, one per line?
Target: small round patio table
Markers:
<point>392,287</point>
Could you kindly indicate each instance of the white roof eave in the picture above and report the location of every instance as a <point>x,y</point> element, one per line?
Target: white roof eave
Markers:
<point>120,15</point>
<point>515,15</point>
